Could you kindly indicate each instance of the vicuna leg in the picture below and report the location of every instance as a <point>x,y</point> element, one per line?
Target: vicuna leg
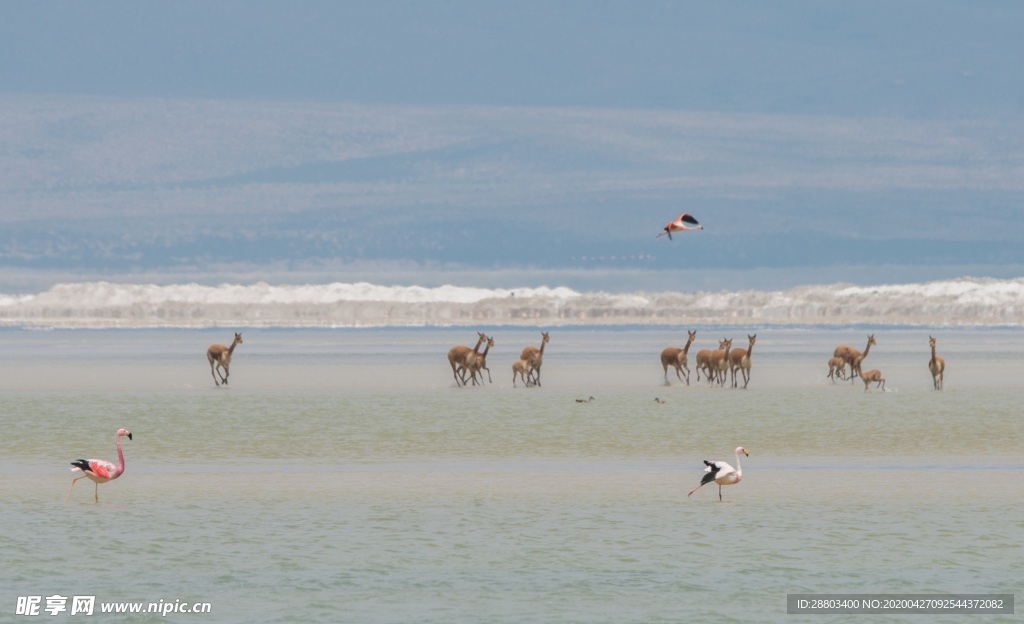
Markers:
<point>455,372</point>
<point>222,366</point>
<point>213,366</point>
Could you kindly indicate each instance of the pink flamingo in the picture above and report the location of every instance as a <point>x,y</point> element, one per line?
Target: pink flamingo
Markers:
<point>680,225</point>
<point>722,473</point>
<point>100,470</point>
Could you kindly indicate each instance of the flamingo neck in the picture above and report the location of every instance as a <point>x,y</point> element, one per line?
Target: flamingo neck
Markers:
<point>120,456</point>
<point>739,468</point>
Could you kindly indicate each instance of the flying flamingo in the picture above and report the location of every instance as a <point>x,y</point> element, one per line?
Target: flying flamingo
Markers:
<point>722,473</point>
<point>100,470</point>
<point>680,225</point>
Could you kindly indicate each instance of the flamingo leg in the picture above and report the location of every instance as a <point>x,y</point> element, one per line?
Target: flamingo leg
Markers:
<point>719,493</point>
<point>96,494</point>
<point>73,482</point>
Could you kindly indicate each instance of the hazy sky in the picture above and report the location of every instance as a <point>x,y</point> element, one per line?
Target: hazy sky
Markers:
<point>816,141</point>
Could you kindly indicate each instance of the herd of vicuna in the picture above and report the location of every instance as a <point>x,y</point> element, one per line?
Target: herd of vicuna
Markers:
<point>472,362</point>
<point>717,365</point>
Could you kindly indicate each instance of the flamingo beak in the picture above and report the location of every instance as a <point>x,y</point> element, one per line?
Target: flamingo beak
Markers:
<point>746,453</point>
<point>129,435</point>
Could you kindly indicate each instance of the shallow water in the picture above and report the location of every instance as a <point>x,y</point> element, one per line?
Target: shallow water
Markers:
<point>344,478</point>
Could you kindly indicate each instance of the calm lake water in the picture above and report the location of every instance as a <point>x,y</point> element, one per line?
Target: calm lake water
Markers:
<point>343,477</point>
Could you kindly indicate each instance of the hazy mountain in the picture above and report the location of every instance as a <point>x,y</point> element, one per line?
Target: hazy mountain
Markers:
<point>191,137</point>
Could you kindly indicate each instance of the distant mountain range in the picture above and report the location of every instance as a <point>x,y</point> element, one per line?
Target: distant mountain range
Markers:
<point>120,185</point>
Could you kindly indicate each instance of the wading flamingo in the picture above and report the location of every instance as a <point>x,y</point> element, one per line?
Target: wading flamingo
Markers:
<point>457,357</point>
<point>682,223</point>
<point>99,470</point>
<point>678,358</point>
<point>722,473</point>
<point>219,356</point>
<point>936,365</point>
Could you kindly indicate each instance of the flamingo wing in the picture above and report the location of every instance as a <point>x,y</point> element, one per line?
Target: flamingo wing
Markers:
<point>98,467</point>
<point>679,225</point>
<point>710,472</point>
<point>716,470</point>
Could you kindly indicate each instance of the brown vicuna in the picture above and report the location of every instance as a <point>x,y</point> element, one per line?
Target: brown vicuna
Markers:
<point>476,362</point>
<point>521,369</point>
<point>837,368</point>
<point>852,356</point>
<point>457,357</point>
<point>857,358</point>
<point>702,360</point>
<point>936,365</point>
<point>535,357</point>
<point>873,376</point>
<point>739,359</point>
<point>219,357</point>
<point>718,363</point>
<point>677,358</point>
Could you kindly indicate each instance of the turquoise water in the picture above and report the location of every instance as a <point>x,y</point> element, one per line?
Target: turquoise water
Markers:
<point>344,478</point>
